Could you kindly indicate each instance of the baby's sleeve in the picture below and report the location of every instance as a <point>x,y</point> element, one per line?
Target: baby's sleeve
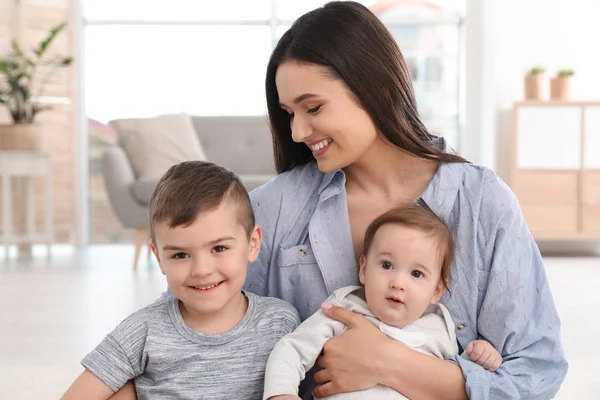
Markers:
<point>296,353</point>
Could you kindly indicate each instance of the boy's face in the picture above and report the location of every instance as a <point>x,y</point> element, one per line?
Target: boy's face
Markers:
<point>205,263</point>
<point>401,274</point>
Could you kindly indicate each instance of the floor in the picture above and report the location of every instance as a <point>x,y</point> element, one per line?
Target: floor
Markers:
<point>52,314</point>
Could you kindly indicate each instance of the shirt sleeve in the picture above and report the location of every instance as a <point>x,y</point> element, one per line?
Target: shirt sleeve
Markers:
<point>291,319</point>
<point>518,316</point>
<point>119,357</point>
<point>297,352</point>
<point>109,363</point>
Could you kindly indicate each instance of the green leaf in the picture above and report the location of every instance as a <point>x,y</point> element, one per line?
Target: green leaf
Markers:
<point>18,90</point>
<point>17,49</point>
<point>18,77</point>
<point>566,72</point>
<point>17,73</point>
<point>537,70</point>
<point>8,66</point>
<point>46,42</point>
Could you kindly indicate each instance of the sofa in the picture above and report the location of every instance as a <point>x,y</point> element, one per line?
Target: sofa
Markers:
<point>242,144</point>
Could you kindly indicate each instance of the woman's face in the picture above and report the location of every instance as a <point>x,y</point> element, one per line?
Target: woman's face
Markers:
<point>324,115</point>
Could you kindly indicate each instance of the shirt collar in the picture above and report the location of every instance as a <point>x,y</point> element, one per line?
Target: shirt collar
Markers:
<point>332,183</point>
<point>442,191</point>
<point>439,195</point>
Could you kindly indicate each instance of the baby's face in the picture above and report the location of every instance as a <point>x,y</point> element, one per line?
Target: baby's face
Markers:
<point>401,274</point>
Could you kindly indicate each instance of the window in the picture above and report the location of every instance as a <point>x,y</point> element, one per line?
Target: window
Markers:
<point>145,58</point>
<point>209,57</point>
<point>140,71</point>
<point>177,10</point>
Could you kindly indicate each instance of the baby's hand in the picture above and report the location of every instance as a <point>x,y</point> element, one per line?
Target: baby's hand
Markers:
<point>484,354</point>
<point>285,397</point>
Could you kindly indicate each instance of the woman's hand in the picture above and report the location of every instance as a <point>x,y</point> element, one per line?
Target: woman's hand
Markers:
<point>352,360</point>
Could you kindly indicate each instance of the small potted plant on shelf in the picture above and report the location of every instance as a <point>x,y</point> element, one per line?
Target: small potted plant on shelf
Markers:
<point>560,86</point>
<point>535,83</point>
<point>22,81</point>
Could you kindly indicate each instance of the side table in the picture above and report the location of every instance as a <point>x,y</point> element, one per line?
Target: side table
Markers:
<point>27,165</point>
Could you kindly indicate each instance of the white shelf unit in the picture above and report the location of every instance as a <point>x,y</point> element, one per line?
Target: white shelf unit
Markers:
<point>555,168</point>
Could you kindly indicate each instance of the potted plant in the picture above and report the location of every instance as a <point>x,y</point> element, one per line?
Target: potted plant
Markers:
<point>535,83</point>
<point>20,90</point>
<point>560,86</point>
<point>23,78</point>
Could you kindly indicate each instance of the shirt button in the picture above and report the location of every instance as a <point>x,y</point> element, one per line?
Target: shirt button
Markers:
<point>461,327</point>
<point>302,252</point>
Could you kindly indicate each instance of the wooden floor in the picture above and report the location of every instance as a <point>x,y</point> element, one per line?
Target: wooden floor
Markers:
<point>52,314</point>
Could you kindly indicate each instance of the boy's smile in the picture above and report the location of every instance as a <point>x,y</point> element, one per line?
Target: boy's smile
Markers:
<point>205,264</point>
<point>205,288</point>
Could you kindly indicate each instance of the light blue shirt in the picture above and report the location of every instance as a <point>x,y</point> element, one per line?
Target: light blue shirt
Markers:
<point>498,291</point>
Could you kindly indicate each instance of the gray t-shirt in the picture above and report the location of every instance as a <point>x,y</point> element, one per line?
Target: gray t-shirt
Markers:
<point>169,360</point>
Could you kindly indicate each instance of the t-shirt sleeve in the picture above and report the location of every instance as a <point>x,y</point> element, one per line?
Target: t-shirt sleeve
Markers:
<point>291,319</point>
<point>119,357</point>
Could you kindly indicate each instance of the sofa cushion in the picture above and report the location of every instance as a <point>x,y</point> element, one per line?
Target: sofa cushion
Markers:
<point>155,144</point>
<point>141,190</point>
<point>251,182</point>
<point>242,144</point>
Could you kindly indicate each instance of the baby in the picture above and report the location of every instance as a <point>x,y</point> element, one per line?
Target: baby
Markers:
<point>405,269</point>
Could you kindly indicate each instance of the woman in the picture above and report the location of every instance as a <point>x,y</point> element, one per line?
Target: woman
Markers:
<point>349,145</point>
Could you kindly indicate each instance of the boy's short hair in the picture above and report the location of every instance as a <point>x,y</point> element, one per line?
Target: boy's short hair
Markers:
<point>417,217</point>
<point>192,187</point>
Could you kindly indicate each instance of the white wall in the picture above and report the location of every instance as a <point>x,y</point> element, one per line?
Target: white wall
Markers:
<point>507,37</point>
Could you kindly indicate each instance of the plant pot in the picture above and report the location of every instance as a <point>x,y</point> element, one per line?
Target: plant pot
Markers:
<point>560,88</point>
<point>535,87</point>
<point>23,137</point>
<point>20,137</point>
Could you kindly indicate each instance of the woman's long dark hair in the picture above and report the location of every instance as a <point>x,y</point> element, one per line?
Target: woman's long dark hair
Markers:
<point>355,47</point>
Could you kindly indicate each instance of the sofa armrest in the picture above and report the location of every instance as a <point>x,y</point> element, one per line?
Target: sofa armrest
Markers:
<point>119,178</point>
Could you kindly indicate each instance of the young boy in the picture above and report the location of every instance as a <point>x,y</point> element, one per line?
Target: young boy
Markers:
<point>405,269</point>
<point>210,340</point>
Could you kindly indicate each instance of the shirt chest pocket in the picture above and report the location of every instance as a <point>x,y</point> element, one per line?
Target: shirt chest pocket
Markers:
<point>300,281</point>
<point>296,256</point>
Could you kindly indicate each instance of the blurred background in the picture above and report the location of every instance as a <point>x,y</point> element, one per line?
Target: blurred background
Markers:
<point>125,88</point>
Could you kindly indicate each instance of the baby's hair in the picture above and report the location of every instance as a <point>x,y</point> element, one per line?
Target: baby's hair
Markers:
<point>192,187</point>
<point>424,220</point>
